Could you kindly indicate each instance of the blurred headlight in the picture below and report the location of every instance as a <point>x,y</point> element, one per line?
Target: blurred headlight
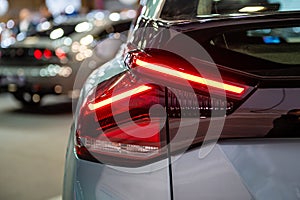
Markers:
<point>87,40</point>
<point>83,27</point>
<point>57,33</point>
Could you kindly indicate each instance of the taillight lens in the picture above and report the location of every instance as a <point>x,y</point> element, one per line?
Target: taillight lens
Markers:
<point>42,54</point>
<point>116,121</point>
<point>38,54</point>
<point>60,53</point>
<point>173,73</point>
<point>174,69</point>
<point>211,92</point>
<point>124,119</point>
<point>47,53</point>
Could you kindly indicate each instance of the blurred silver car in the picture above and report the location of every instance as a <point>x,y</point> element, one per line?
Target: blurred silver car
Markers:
<point>48,61</point>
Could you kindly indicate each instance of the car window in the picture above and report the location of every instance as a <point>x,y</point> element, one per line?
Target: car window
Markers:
<point>281,45</point>
<point>179,9</point>
<point>114,28</point>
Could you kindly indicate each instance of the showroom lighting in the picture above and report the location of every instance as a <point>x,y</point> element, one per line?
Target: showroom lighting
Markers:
<point>83,27</point>
<point>114,17</point>
<point>44,26</point>
<point>4,7</point>
<point>10,24</point>
<point>99,16</point>
<point>252,9</point>
<point>21,36</point>
<point>87,40</point>
<point>68,41</point>
<point>69,9</point>
<point>57,33</point>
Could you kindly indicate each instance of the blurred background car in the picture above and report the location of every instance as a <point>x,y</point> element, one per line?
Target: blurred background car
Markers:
<point>204,104</point>
<point>46,61</point>
<point>32,167</point>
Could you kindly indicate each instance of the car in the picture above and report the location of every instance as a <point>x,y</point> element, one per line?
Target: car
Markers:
<point>47,61</point>
<point>202,103</point>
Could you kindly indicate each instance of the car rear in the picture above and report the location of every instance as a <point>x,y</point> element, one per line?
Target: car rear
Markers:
<point>47,62</point>
<point>34,71</point>
<point>212,113</point>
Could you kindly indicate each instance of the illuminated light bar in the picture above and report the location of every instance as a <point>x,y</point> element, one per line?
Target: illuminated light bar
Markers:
<point>189,77</point>
<point>118,97</point>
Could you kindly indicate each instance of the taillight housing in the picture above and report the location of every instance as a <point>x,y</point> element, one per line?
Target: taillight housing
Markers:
<point>125,120</point>
<point>209,92</point>
<point>116,123</point>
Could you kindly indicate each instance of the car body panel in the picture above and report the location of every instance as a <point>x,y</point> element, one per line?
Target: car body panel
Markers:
<point>86,180</point>
<point>239,169</point>
<point>212,177</point>
<point>258,116</point>
<point>268,168</point>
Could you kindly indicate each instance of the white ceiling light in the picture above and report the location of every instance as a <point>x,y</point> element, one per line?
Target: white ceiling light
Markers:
<point>3,7</point>
<point>128,2</point>
<point>62,6</point>
<point>114,17</point>
<point>57,33</point>
<point>252,9</point>
<point>87,40</point>
<point>83,27</point>
<point>69,9</point>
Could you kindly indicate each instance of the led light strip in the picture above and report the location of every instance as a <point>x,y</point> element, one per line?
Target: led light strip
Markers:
<point>118,97</point>
<point>189,77</point>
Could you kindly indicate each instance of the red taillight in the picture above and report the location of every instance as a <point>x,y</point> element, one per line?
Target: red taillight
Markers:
<point>115,121</point>
<point>169,68</point>
<point>119,122</point>
<point>38,54</point>
<point>60,53</point>
<point>47,53</point>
